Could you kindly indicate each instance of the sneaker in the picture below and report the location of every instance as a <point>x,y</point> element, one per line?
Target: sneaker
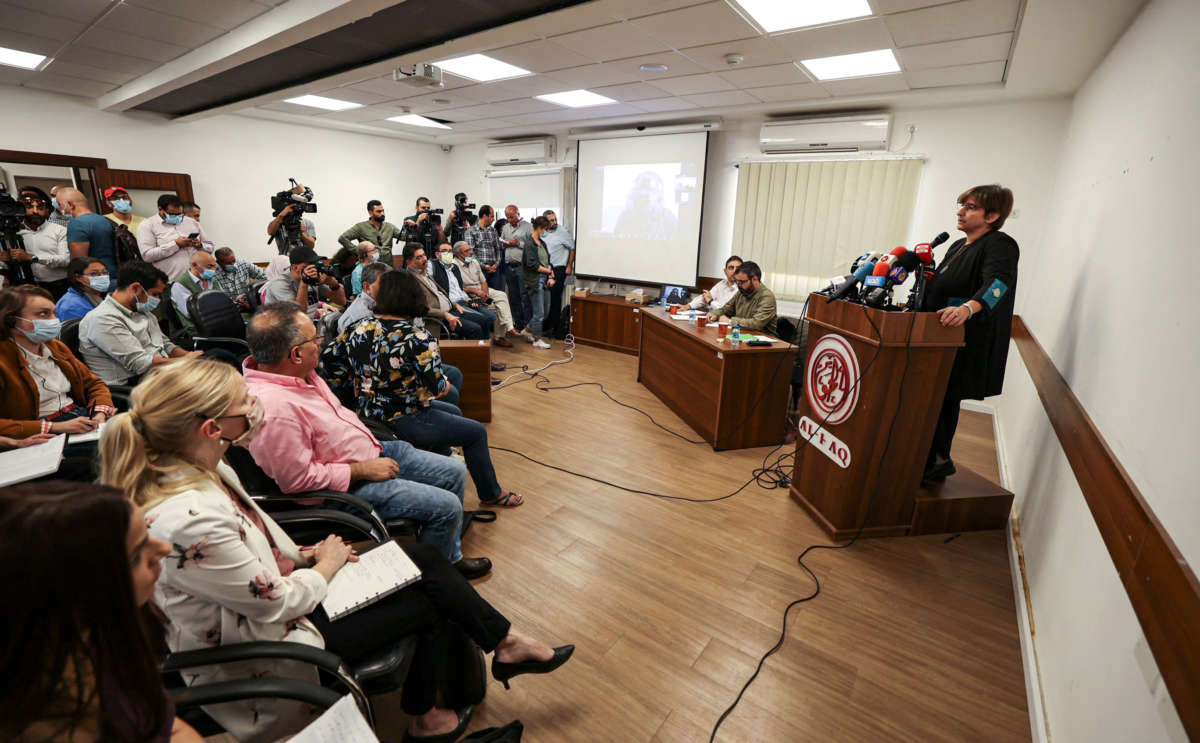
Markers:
<point>539,343</point>
<point>527,335</point>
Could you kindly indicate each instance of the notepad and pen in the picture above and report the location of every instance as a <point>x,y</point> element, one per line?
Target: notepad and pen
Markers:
<point>31,462</point>
<point>379,572</point>
<point>341,723</point>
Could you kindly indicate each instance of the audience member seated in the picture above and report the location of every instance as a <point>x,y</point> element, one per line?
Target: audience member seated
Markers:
<point>235,278</point>
<point>120,340</point>
<point>364,304</point>
<point>721,292</point>
<point>537,278</point>
<point>310,441</point>
<point>45,243</point>
<point>89,282</point>
<point>475,284</point>
<point>235,576</point>
<point>457,318</point>
<point>304,284</point>
<point>80,648</point>
<point>43,387</point>
<point>168,239</point>
<point>753,307</point>
<point>88,233</point>
<point>449,279</point>
<point>200,276</point>
<point>367,253</point>
<point>394,372</point>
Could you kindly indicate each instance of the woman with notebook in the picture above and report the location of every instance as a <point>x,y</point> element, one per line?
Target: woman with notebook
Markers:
<point>234,576</point>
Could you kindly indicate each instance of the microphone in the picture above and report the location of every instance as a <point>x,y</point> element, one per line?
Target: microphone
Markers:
<point>924,251</point>
<point>862,273</point>
<point>939,240</point>
<point>896,273</point>
<point>835,284</point>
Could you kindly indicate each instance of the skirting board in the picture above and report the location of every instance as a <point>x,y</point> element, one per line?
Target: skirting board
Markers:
<point>1033,678</point>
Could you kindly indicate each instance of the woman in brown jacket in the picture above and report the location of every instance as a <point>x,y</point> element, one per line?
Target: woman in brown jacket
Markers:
<point>43,387</point>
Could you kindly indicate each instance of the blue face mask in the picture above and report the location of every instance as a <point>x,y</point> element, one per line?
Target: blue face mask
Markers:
<point>43,330</point>
<point>123,205</point>
<point>468,260</point>
<point>54,203</point>
<point>149,305</point>
<point>98,283</point>
<point>208,274</point>
<point>230,268</point>
<point>172,218</point>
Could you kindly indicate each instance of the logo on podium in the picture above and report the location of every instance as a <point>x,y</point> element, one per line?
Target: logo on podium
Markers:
<point>831,380</point>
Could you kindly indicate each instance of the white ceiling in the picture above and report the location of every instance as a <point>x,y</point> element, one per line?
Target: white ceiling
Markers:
<point>957,51</point>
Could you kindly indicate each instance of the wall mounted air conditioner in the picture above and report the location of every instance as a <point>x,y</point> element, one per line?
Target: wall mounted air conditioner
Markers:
<point>825,134</point>
<point>521,152</point>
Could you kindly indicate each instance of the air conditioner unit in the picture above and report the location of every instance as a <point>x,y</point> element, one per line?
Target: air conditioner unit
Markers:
<point>521,152</point>
<point>827,134</point>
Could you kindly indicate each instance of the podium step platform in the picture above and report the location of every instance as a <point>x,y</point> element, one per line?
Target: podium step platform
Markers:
<point>962,502</point>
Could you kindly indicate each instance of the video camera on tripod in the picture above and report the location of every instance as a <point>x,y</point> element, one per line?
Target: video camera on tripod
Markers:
<point>12,215</point>
<point>464,217</point>
<point>300,198</point>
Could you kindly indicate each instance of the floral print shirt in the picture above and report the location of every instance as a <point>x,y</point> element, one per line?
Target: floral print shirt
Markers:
<point>388,368</point>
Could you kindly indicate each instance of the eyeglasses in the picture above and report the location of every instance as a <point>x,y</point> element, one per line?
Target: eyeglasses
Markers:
<point>968,206</point>
<point>742,282</point>
<point>318,338</point>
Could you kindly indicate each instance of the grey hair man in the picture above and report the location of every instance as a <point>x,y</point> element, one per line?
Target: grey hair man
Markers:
<point>363,305</point>
<point>475,284</point>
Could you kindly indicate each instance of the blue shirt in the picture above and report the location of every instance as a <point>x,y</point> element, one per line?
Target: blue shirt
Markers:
<point>72,305</point>
<point>95,229</point>
<point>356,279</point>
<point>559,244</point>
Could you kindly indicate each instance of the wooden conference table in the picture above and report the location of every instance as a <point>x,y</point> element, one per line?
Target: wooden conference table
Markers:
<point>735,398</point>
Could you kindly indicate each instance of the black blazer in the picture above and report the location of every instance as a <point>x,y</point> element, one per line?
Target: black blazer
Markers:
<point>440,277</point>
<point>986,271</point>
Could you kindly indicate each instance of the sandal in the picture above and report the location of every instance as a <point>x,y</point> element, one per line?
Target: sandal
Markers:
<point>508,500</point>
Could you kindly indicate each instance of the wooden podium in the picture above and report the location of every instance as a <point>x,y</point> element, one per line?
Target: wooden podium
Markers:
<point>842,472</point>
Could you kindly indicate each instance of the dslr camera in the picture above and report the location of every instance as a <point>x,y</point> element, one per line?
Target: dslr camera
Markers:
<point>321,269</point>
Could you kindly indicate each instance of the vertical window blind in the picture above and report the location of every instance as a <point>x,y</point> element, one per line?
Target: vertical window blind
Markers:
<point>803,222</point>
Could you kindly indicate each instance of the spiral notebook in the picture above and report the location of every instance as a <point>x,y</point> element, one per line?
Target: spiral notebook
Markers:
<point>379,572</point>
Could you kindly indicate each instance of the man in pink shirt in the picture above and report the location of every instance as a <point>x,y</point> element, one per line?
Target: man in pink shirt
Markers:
<point>166,239</point>
<point>309,441</point>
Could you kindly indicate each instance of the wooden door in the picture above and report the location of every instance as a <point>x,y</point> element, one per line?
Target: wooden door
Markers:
<point>148,180</point>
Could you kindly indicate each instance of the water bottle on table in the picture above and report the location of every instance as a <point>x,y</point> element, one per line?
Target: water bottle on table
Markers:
<point>735,337</point>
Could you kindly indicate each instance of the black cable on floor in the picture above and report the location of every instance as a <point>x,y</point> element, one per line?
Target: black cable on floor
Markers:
<point>543,384</point>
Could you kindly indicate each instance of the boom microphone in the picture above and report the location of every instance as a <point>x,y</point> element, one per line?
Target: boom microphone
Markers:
<point>862,273</point>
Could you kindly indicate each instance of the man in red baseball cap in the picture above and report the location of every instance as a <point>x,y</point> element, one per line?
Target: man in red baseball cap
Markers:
<point>121,204</point>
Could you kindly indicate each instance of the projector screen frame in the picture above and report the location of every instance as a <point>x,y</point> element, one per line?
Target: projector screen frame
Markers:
<point>699,230</point>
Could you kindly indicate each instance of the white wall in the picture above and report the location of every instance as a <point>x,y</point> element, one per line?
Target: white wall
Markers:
<point>236,163</point>
<point>1102,292</point>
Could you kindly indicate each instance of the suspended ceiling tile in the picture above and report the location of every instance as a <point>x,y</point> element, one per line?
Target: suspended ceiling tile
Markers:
<point>482,124</point>
<point>290,108</point>
<point>866,85</point>
<point>631,92</point>
<point>146,24</point>
<point>437,99</point>
<point>77,10</point>
<point>971,74</point>
<point>83,55</point>
<point>540,56</point>
<point>579,17</point>
<point>108,40</point>
<point>677,65</point>
<point>614,41</point>
<point>963,51</point>
<point>755,53</point>
<point>657,105</point>
<point>14,75</point>
<point>225,14</point>
<point>711,23</point>
<point>758,77</point>
<point>520,87</point>
<point>386,86</point>
<point>68,85</point>
<point>359,115</point>
<point>885,7</point>
<point>953,21</point>
<point>91,72</point>
<point>503,109</point>
<point>40,24</point>
<point>631,9</point>
<point>354,95</point>
<point>786,93</point>
<point>24,42</point>
<point>693,84</point>
<point>724,98</point>
<point>841,38</point>
<point>591,76</point>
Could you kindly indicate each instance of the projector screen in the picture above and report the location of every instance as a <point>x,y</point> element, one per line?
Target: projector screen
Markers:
<point>639,206</point>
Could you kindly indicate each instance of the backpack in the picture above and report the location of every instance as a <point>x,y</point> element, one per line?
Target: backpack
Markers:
<point>125,244</point>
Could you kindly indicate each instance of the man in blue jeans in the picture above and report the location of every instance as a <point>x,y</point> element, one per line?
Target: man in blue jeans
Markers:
<point>309,441</point>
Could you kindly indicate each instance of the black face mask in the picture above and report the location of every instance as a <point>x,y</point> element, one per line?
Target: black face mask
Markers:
<point>34,220</point>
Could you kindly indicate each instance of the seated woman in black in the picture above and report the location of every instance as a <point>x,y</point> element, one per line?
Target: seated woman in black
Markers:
<point>393,371</point>
<point>78,658</point>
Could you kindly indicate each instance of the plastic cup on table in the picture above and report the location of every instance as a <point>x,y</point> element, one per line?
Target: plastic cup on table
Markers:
<point>673,309</point>
<point>722,328</point>
<point>701,320</point>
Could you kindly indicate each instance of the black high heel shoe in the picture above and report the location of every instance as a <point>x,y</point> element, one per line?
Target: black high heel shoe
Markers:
<point>502,672</point>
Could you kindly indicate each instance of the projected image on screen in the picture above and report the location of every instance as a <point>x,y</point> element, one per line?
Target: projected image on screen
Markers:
<point>639,207</point>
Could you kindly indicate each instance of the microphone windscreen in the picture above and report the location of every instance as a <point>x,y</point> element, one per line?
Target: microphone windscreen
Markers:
<point>899,250</point>
<point>864,270</point>
<point>924,252</point>
<point>939,240</point>
<point>908,261</point>
<point>881,269</point>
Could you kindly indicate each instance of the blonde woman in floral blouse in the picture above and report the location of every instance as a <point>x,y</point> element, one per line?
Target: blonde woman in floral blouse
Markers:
<point>234,576</point>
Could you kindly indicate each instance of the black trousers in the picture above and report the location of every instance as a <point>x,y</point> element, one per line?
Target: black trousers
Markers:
<point>441,596</point>
<point>556,319</point>
<point>947,423</point>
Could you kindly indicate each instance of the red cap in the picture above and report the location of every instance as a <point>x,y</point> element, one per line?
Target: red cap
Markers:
<point>108,192</point>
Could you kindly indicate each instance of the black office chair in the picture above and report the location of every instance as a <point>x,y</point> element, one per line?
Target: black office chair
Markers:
<point>218,323</point>
<point>169,322</point>
<point>70,335</point>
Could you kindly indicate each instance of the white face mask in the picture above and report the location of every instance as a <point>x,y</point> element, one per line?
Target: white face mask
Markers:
<point>254,420</point>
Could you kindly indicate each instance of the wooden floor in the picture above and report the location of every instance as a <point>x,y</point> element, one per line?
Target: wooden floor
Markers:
<point>670,604</point>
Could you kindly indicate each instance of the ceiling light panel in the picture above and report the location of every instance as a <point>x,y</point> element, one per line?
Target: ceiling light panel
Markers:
<point>417,120</point>
<point>320,101</point>
<point>783,15</point>
<point>576,98</point>
<point>17,58</point>
<point>862,64</point>
<point>481,68</point>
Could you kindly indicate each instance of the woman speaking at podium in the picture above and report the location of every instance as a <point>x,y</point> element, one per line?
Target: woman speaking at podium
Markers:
<point>974,287</point>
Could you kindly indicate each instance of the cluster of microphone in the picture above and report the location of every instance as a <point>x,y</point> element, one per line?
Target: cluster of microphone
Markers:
<point>874,276</point>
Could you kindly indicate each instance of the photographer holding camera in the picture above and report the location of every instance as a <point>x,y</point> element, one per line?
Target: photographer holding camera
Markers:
<point>424,227</point>
<point>288,228</point>
<point>461,219</point>
<point>308,281</point>
<point>375,230</point>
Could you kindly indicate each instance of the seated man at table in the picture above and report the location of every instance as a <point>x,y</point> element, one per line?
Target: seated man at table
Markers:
<point>753,307</point>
